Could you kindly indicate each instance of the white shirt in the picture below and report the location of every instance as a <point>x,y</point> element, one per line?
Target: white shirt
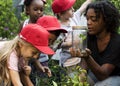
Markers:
<point>78,19</point>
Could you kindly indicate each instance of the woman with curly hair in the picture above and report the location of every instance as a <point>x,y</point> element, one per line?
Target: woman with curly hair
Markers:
<point>103,58</point>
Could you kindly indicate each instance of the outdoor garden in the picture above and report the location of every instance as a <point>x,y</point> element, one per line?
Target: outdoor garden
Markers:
<point>9,28</point>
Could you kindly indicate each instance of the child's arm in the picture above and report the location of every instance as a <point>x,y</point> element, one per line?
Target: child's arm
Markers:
<point>43,68</point>
<point>27,70</point>
<point>38,65</point>
<point>25,76</point>
<point>25,79</point>
<point>15,78</point>
<point>48,71</point>
<point>84,5</point>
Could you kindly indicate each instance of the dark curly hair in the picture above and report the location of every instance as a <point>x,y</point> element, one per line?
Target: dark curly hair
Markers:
<point>109,12</point>
<point>28,2</point>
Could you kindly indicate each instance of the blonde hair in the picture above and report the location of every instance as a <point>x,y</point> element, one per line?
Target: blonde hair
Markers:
<point>5,52</point>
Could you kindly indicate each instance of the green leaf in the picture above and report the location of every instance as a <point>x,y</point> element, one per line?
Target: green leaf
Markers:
<point>54,83</point>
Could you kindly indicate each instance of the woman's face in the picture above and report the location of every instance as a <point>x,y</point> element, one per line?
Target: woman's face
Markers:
<point>95,25</point>
<point>35,10</point>
<point>28,52</point>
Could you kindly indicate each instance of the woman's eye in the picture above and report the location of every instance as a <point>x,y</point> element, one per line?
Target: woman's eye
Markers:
<point>92,18</point>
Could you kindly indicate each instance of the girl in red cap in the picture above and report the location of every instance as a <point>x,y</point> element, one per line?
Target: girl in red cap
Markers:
<point>15,54</point>
<point>34,9</point>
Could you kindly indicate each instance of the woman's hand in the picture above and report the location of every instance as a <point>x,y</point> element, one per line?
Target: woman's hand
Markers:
<point>86,54</point>
<point>77,53</point>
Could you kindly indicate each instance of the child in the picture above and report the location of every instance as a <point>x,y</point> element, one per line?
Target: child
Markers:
<point>52,25</point>
<point>68,18</point>
<point>14,54</point>
<point>65,13</point>
<point>34,9</point>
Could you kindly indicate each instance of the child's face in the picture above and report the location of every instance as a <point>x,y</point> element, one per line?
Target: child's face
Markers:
<point>35,10</point>
<point>52,38</point>
<point>68,13</point>
<point>28,52</point>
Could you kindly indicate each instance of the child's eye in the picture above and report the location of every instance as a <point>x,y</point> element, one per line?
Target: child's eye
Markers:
<point>34,53</point>
<point>35,9</point>
<point>41,9</point>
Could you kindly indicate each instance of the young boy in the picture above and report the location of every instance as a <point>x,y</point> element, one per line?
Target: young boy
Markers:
<point>51,24</point>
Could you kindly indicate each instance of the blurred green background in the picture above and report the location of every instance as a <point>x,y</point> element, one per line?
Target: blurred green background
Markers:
<point>12,13</point>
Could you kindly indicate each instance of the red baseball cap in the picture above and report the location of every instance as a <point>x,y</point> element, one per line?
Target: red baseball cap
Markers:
<point>62,5</point>
<point>50,23</point>
<point>37,36</point>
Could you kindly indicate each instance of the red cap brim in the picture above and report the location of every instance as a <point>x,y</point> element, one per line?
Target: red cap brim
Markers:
<point>56,29</point>
<point>45,49</point>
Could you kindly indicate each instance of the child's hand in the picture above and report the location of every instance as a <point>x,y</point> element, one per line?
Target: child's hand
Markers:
<point>27,70</point>
<point>75,52</point>
<point>47,70</point>
<point>67,41</point>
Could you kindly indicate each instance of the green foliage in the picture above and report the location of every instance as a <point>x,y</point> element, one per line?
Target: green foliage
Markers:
<point>8,21</point>
<point>48,10</point>
<point>117,4</point>
<point>76,80</point>
<point>54,83</point>
<point>23,16</point>
<point>78,4</point>
<point>60,76</point>
<point>9,24</point>
<point>47,81</point>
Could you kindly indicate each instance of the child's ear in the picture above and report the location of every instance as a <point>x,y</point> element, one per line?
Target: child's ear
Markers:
<point>20,44</point>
